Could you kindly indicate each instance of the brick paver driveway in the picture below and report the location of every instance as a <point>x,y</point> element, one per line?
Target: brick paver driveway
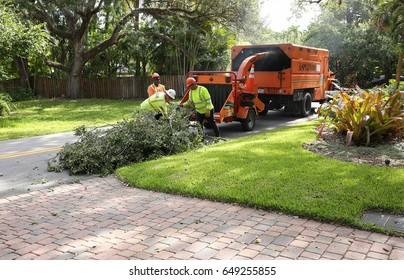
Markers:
<point>103,219</point>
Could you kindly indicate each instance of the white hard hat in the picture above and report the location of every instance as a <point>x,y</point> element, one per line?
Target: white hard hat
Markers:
<point>171,93</point>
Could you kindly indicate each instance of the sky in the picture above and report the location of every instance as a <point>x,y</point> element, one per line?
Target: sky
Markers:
<point>278,13</point>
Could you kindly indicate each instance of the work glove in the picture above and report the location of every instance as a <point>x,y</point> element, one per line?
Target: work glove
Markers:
<point>207,114</point>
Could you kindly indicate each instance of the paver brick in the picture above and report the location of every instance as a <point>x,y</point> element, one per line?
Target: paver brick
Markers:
<point>248,253</point>
<point>217,245</point>
<point>331,256</point>
<point>377,256</point>
<point>196,247</point>
<point>292,252</point>
<point>397,254</point>
<point>337,248</point>
<point>381,248</point>
<point>377,237</point>
<point>299,243</point>
<point>360,247</point>
<point>350,255</point>
<point>177,246</point>
<point>317,247</point>
<point>323,239</point>
<point>310,255</point>
<point>310,232</point>
<point>206,254</point>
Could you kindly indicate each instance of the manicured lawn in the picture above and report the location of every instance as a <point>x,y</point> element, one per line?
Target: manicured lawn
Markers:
<point>272,171</point>
<point>46,116</point>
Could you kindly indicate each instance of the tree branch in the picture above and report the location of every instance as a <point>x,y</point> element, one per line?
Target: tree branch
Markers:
<point>178,46</point>
<point>117,35</point>
<point>43,15</point>
<point>55,64</point>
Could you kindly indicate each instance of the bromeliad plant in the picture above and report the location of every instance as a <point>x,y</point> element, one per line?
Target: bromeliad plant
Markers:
<point>365,116</point>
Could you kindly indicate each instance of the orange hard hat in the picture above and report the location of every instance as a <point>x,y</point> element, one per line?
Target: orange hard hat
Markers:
<point>190,81</point>
<point>155,76</point>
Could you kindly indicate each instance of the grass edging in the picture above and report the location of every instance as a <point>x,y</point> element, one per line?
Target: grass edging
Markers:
<point>272,171</point>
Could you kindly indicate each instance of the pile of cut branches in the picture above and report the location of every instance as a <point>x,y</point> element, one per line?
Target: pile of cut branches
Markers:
<point>101,151</point>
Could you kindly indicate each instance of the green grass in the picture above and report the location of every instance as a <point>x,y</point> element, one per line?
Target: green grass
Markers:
<point>272,171</point>
<point>47,116</point>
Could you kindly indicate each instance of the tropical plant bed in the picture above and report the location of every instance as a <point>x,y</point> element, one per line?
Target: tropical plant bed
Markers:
<point>385,153</point>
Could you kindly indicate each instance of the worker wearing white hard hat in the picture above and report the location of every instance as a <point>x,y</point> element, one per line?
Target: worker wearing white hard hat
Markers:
<point>158,102</point>
<point>155,86</point>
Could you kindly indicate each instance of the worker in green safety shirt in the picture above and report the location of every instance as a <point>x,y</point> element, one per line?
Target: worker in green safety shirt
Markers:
<point>158,102</point>
<point>199,96</point>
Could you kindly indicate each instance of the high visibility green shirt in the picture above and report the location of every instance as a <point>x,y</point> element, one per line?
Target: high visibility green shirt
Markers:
<point>152,89</point>
<point>201,99</point>
<point>156,102</point>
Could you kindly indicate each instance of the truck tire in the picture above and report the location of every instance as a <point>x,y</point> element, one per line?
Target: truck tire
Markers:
<point>305,105</point>
<point>248,123</point>
<point>263,112</point>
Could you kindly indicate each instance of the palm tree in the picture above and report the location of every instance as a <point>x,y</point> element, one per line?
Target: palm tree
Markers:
<point>294,34</point>
<point>389,17</point>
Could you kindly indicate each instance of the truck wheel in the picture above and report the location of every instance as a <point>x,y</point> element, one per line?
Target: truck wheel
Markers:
<point>248,123</point>
<point>263,112</point>
<point>305,105</point>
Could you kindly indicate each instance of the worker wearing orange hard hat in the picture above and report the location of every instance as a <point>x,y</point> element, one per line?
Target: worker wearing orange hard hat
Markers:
<point>199,96</point>
<point>155,86</point>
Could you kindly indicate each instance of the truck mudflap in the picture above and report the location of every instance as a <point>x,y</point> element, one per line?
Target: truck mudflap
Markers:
<point>242,112</point>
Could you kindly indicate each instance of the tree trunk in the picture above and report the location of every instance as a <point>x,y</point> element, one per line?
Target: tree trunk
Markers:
<point>399,67</point>
<point>137,66</point>
<point>22,66</point>
<point>73,86</point>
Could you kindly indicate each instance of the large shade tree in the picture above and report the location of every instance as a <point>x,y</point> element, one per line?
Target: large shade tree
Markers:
<point>69,21</point>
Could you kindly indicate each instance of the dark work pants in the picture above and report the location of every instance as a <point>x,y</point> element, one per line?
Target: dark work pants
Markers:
<point>211,120</point>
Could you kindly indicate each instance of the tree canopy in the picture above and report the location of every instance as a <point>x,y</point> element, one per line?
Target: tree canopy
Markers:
<point>85,29</point>
<point>347,29</point>
<point>108,38</point>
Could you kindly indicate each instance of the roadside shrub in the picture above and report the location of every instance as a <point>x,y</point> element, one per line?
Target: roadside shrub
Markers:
<point>101,151</point>
<point>365,116</point>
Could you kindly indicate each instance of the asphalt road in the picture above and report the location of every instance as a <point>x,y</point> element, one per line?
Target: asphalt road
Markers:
<point>23,162</point>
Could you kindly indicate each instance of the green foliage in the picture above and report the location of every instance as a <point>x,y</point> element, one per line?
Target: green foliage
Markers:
<point>5,104</point>
<point>392,86</point>
<point>366,116</point>
<point>18,38</point>
<point>142,138</point>
<point>348,32</point>
<point>20,94</point>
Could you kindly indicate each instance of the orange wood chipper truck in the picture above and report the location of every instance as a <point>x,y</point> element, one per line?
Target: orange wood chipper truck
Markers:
<point>266,77</point>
